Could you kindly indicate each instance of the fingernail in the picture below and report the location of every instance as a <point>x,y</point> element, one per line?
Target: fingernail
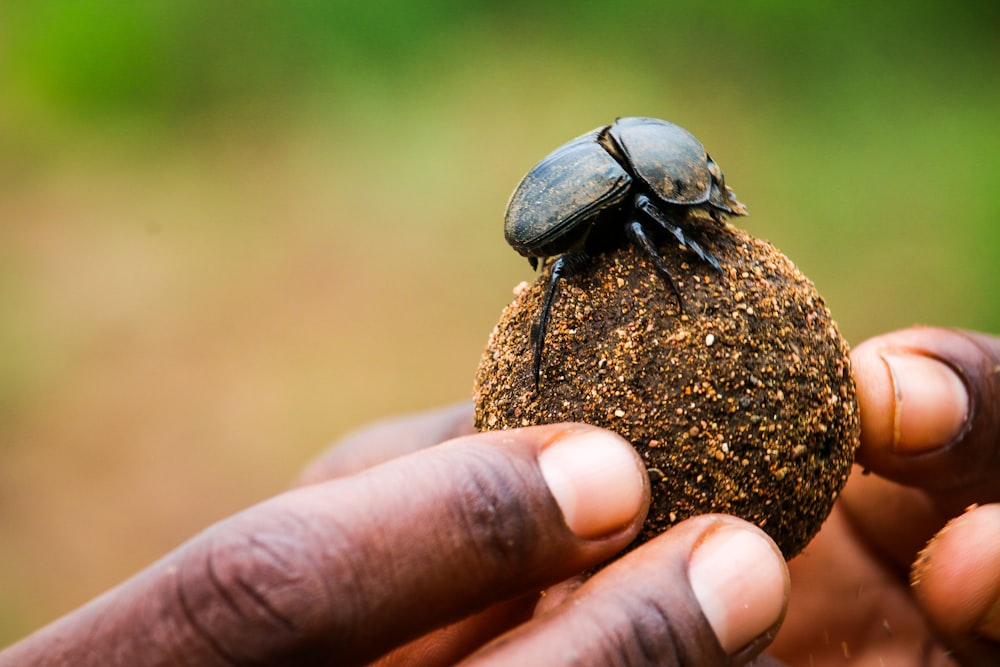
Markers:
<point>931,403</point>
<point>740,580</point>
<point>597,479</point>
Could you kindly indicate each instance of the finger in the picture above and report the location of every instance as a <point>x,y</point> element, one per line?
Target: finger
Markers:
<point>390,439</point>
<point>930,411</point>
<point>712,590</point>
<point>957,581</point>
<point>387,440</point>
<point>554,596</point>
<point>349,569</point>
<point>454,642</point>
<point>929,404</point>
<point>449,645</point>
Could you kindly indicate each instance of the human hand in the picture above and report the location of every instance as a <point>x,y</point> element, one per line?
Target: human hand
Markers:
<point>930,419</point>
<point>438,553</point>
<point>930,408</point>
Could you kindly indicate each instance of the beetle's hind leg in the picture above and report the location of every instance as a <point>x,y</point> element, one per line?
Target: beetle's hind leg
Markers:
<point>643,203</point>
<point>563,267</point>
<point>638,234</point>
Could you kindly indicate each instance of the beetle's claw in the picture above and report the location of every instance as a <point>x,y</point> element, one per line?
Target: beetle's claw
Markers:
<point>638,234</point>
<point>705,256</point>
<point>644,204</point>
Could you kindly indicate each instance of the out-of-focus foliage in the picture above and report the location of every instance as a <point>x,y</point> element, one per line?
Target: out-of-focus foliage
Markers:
<point>231,232</point>
<point>183,57</point>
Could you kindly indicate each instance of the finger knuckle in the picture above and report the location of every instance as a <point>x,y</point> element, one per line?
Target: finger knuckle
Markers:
<point>248,591</point>
<point>496,514</point>
<point>643,630</point>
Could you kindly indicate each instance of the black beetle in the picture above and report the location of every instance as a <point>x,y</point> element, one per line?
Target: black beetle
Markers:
<point>617,179</point>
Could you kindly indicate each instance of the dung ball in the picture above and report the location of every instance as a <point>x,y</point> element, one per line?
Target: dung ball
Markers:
<point>738,396</point>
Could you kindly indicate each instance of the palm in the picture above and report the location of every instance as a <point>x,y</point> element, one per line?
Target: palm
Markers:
<point>851,598</point>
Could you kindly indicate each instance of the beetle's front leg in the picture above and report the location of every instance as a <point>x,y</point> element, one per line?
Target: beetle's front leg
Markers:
<point>563,267</point>
<point>643,203</point>
<point>638,234</point>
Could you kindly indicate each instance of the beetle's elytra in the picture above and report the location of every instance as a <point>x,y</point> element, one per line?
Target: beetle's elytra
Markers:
<point>637,178</point>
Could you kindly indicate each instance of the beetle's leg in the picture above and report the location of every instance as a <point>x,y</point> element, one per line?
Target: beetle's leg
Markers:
<point>534,263</point>
<point>638,234</point>
<point>643,203</point>
<point>563,267</point>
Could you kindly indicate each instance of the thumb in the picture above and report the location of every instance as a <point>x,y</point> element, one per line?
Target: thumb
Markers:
<point>712,590</point>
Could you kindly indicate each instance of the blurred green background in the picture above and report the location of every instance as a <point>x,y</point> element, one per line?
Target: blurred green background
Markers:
<point>229,235</point>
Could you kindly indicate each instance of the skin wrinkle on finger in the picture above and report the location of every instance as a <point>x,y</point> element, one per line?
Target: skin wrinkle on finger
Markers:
<point>484,515</point>
<point>630,626</point>
<point>267,593</point>
<point>191,614</point>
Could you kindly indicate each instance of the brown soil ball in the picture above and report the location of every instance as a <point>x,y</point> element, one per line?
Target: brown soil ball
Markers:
<point>742,402</point>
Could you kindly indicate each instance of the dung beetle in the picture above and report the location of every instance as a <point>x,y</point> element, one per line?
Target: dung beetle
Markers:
<point>635,178</point>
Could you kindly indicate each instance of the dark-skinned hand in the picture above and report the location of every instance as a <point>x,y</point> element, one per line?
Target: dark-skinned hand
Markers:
<point>417,541</point>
